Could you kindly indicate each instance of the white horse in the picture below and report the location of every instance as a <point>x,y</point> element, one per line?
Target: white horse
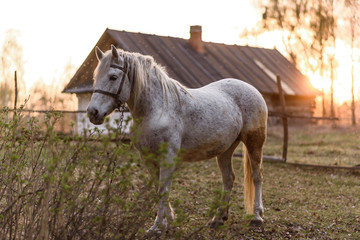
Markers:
<point>204,123</point>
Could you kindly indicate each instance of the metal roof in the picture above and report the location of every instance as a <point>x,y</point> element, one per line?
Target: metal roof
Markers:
<point>257,66</point>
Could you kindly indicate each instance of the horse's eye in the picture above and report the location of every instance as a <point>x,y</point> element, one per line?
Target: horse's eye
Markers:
<point>113,77</point>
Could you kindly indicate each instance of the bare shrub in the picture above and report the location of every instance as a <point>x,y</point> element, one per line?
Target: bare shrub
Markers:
<point>69,188</point>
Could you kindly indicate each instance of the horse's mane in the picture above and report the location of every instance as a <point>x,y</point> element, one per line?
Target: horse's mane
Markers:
<point>143,65</point>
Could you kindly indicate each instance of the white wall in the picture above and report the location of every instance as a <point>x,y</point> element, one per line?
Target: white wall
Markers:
<point>83,121</point>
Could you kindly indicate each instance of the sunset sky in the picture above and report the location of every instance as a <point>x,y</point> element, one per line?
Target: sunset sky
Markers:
<point>52,33</point>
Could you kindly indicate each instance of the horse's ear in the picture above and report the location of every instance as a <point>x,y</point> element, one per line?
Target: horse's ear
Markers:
<point>115,54</point>
<point>99,54</point>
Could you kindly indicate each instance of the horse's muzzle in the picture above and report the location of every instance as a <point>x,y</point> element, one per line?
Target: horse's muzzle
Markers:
<point>94,116</point>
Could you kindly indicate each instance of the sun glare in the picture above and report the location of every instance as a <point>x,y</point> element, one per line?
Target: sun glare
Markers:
<point>318,82</point>
<point>342,75</point>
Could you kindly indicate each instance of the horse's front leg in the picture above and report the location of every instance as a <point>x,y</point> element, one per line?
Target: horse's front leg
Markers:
<point>165,214</point>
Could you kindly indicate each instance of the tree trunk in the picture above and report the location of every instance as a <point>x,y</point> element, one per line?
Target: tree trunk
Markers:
<point>332,112</point>
<point>352,27</point>
<point>323,90</point>
<point>353,118</point>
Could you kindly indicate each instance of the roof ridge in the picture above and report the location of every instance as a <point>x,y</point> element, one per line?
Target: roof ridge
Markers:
<point>208,42</point>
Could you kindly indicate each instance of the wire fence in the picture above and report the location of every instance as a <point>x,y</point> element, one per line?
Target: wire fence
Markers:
<point>68,126</point>
<point>70,123</point>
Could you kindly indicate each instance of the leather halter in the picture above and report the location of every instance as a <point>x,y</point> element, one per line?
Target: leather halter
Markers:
<point>115,96</point>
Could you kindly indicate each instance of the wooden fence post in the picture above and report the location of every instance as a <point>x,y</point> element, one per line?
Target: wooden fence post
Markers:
<point>16,90</point>
<point>284,118</point>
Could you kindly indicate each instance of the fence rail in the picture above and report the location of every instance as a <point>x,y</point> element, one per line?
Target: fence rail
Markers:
<point>281,115</point>
<point>270,113</point>
<point>52,111</point>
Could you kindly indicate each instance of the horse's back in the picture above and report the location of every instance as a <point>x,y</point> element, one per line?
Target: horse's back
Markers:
<point>215,115</point>
<point>247,98</point>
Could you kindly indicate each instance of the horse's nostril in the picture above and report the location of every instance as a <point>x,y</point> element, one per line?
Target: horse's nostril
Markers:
<point>92,111</point>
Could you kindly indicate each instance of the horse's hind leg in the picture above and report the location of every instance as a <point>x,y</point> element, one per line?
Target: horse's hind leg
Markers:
<point>254,141</point>
<point>228,176</point>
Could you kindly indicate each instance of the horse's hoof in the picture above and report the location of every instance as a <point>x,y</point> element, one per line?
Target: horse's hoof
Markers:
<point>256,223</point>
<point>153,231</point>
<point>216,223</point>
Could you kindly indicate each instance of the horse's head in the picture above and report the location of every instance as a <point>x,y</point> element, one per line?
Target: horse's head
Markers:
<point>112,85</point>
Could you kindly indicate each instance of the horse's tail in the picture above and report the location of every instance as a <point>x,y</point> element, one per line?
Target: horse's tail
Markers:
<point>249,188</point>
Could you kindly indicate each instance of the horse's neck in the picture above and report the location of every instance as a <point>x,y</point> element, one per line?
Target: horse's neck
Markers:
<point>149,100</point>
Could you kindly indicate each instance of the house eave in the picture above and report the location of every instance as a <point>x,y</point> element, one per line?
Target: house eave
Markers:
<point>79,90</point>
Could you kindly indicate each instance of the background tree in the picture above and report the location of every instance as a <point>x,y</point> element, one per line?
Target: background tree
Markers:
<point>332,40</point>
<point>47,95</point>
<point>11,59</point>
<point>354,17</point>
<point>307,27</point>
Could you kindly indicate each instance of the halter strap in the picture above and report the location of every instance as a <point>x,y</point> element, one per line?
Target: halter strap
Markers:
<point>113,95</point>
<point>116,95</point>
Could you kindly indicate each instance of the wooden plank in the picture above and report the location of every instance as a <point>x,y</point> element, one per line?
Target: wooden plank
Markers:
<point>265,157</point>
<point>284,118</point>
<point>278,159</point>
<point>280,114</point>
<point>357,167</point>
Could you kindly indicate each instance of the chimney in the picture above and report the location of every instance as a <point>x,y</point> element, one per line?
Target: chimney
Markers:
<point>195,40</point>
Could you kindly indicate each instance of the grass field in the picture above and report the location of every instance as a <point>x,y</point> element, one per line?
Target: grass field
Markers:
<point>300,202</point>
<point>321,145</point>
<point>59,188</point>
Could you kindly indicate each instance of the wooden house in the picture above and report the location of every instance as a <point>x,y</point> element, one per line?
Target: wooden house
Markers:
<point>196,63</point>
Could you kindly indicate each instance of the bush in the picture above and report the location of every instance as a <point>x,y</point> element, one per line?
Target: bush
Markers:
<point>61,187</point>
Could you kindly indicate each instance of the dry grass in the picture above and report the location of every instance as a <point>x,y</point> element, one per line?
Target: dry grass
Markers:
<point>321,145</point>
<point>300,203</point>
<point>62,189</point>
